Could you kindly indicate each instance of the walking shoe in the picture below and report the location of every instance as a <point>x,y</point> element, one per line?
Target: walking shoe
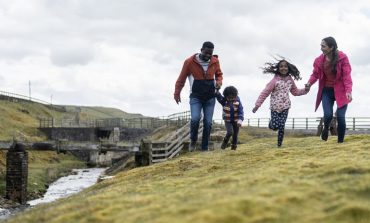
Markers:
<point>224,144</point>
<point>192,146</point>
<point>233,147</point>
<point>325,134</point>
<point>270,126</point>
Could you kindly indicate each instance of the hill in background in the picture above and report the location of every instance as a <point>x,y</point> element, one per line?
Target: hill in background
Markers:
<point>21,119</point>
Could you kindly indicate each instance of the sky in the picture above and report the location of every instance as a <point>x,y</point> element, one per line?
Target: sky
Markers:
<point>127,54</point>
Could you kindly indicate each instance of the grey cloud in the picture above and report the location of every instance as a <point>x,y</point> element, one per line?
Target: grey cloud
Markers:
<point>361,56</point>
<point>71,56</point>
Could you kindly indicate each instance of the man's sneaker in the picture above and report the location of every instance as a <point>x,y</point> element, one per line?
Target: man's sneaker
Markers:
<point>325,134</point>
<point>224,144</point>
<point>233,147</point>
<point>192,146</point>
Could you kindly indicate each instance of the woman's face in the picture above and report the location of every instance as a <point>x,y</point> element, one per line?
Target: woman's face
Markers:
<point>283,68</point>
<point>325,48</point>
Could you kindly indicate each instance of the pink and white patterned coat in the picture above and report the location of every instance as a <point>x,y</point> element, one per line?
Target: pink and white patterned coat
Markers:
<point>279,88</point>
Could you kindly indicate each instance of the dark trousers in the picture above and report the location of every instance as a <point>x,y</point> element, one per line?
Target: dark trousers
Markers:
<point>232,129</point>
<point>277,122</point>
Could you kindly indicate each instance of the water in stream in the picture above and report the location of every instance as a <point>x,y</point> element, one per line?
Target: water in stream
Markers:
<point>64,186</point>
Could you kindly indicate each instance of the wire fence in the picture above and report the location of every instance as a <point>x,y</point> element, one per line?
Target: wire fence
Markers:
<point>18,97</point>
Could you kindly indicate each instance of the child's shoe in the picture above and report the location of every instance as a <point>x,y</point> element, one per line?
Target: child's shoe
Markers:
<point>272,128</point>
<point>233,147</point>
<point>224,144</point>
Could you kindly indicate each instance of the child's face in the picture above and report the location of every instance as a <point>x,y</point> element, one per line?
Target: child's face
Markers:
<point>231,98</point>
<point>283,68</point>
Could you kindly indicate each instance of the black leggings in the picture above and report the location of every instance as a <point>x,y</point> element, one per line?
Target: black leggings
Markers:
<point>277,122</point>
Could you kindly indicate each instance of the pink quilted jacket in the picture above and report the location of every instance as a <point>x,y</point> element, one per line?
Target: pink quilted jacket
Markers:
<point>279,88</point>
<point>343,80</point>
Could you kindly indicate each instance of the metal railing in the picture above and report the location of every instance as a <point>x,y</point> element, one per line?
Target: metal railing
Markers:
<point>181,118</point>
<point>178,119</point>
<point>352,123</point>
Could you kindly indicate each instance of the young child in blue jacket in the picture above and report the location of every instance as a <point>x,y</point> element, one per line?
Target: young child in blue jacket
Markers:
<point>232,114</point>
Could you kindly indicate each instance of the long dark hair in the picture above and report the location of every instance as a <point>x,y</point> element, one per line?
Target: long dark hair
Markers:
<point>273,68</point>
<point>330,41</point>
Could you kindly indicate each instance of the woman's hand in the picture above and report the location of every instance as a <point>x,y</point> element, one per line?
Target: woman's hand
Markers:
<point>349,96</point>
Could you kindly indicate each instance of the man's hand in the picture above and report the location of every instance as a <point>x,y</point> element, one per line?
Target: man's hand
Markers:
<point>254,109</point>
<point>177,98</point>
<point>218,86</point>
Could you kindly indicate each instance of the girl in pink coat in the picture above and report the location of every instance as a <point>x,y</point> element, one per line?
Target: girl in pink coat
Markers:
<point>279,87</point>
<point>333,70</point>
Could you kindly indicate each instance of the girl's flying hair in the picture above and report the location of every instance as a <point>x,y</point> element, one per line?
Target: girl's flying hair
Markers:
<point>273,68</point>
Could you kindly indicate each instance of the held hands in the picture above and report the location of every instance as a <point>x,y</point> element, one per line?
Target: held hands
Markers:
<point>307,87</point>
<point>177,98</point>
<point>254,109</point>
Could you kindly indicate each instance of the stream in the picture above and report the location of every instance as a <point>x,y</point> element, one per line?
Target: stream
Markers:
<point>64,186</point>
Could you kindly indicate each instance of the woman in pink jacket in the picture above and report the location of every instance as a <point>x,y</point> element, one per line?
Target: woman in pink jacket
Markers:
<point>279,87</point>
<point>333,70</point>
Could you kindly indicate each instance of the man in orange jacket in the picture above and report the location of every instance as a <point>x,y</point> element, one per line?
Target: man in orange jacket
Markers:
<point>205,76</point>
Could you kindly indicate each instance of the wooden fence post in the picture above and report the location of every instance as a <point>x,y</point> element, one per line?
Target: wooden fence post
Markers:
<point>144,156</point>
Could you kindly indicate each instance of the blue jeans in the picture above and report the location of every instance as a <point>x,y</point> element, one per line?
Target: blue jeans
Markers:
<point>196,106</point>
<point>328,99</point>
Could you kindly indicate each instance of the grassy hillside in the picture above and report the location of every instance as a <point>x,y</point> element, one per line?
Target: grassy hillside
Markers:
<point>306,181</point>
<point>21,119</point>
<point>100,112</point>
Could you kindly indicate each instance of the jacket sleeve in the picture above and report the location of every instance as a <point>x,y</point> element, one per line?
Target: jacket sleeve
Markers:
<point>240,111</point>
<point>295,91</point>
<point>182,78</point>
<point>315,73</point>
<point>346,72</point>
<point>266,92</point>
<point>218,75</point>
<point>220,98</point>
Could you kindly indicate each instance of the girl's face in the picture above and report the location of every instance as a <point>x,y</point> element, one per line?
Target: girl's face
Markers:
<point>283,68</point>
<point>325,48</point>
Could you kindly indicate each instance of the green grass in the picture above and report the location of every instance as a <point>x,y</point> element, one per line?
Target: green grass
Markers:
<point>308,180</point>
